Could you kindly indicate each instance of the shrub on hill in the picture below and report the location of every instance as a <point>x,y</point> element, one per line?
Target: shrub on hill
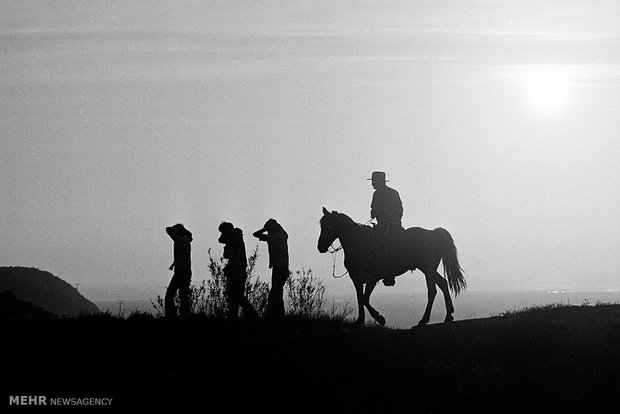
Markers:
<point>209,297</point>
<point>305,294</point>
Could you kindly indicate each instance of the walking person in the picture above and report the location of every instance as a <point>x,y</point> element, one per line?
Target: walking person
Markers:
<point>277,244</point>
<point>235,271</point>
<point>182,267</point>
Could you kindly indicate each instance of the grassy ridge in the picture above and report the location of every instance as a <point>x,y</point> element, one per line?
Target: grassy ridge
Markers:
<point>559,358</point>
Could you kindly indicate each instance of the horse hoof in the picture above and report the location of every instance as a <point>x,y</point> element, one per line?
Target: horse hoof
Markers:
<point>422,323</point>
<point>358,324</point>
<point>380,320</point>
<point>449,318</point>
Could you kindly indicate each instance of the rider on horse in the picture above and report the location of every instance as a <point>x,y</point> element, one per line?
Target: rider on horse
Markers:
<point>387,208</point>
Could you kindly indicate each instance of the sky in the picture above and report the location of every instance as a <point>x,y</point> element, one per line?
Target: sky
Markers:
<point>497,120</point>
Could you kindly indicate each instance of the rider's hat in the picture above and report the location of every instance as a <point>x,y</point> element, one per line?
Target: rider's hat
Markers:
<point>378,176</point>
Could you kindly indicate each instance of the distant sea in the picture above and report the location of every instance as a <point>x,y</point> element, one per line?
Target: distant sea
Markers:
<point>403,310</point>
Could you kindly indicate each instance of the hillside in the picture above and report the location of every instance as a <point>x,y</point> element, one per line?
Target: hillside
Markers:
<point>13,308</point>
<point>44,290</point>
<point>548,359</point>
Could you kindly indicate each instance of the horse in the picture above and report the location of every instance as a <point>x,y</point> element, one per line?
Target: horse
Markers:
<point>414,248</point>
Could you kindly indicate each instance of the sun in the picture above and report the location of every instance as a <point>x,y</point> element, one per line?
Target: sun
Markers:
<point>548,90</point>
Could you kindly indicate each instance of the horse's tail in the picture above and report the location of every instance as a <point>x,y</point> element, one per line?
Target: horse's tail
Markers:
<point>451,267</point>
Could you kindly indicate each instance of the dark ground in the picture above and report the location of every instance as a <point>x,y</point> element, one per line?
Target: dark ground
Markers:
<point>556,360</point>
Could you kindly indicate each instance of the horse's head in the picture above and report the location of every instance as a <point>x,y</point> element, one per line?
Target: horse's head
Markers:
<point>328,230</point>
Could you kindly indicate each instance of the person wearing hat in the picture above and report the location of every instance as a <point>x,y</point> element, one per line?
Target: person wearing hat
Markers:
<point>182,266</point>
<point>235,271</point>
<point>387,208</point>
<point>277,244</point>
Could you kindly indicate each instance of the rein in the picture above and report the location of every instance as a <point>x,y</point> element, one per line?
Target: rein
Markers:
<point>333,251</point>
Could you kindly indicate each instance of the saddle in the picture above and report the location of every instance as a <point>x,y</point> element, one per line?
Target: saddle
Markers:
<point>388,236</point>
<point>387,249</point>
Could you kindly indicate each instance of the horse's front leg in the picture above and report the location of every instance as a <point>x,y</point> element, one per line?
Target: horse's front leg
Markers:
<point>370,286</point>
<point>359,290</point>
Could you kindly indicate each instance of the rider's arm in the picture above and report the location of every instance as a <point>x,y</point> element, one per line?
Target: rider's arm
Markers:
<point>373,210</point>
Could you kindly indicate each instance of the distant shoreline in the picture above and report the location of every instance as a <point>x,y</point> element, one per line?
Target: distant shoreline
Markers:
<point>402,309</point>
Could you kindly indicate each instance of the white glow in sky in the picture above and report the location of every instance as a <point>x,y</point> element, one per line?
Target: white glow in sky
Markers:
<point>548,90</point>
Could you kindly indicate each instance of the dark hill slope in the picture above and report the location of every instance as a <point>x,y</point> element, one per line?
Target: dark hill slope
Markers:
<point>12,308</point>
<point>552,360</point>
<point>44,290</point>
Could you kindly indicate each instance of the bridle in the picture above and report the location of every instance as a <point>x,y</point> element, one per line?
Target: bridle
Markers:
<point>334,250</point>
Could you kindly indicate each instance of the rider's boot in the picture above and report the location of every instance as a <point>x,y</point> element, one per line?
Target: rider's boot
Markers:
<point>381,232</point>
<point>389,279</point>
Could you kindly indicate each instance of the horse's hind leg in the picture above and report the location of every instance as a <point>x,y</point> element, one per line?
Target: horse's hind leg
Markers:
<point>443,285</point>
<point>370,286</point>
<point>432,292</point>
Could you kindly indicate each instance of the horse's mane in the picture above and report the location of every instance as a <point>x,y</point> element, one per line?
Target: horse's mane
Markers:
<point>342,218</point>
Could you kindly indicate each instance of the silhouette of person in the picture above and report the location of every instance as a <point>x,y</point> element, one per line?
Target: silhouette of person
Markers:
<point>182,266</point>
<point>277,244</point>
<point>387,208</point>
<point>235,271</point>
